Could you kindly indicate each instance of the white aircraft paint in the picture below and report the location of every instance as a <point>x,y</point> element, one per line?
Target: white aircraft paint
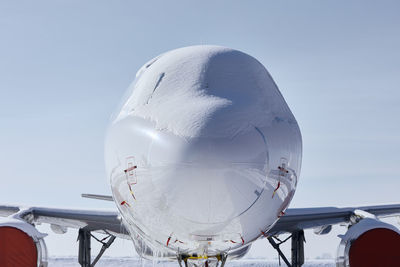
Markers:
<point>204,154</point>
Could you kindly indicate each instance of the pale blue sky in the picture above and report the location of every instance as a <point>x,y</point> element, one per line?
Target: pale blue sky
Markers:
<point>64,65</point>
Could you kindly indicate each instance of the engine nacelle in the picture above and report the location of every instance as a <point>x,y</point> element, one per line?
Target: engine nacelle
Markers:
<point>369,243</point>
<point>21,244</point>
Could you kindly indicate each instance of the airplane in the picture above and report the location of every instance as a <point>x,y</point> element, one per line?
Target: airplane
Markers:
<point>203,158</point>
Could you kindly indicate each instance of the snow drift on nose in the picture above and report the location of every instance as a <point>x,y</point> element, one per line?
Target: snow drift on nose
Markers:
<point>200,85</point>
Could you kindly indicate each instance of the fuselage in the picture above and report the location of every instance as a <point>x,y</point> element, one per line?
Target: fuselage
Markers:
<point>204,154</point>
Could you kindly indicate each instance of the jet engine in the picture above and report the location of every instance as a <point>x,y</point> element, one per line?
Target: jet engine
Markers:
<point>21,244</point>
<point>369,243</point>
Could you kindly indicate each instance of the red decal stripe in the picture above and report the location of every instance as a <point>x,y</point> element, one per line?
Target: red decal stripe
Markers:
<point>130,169</point>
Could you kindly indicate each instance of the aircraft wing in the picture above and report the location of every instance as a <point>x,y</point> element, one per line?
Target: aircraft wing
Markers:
<point>306,218</point>
<point>110,221</point>
<point>91,220</point>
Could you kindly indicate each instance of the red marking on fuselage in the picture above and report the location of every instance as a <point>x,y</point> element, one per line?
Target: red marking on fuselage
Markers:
<point>130,190</point>
<point>242,240</point>
<point>130,169</point>
<point>264,234</point>
<point>283,169</point>
<point>169,238</point>
<point>276,189</point>
<point>125,203</point>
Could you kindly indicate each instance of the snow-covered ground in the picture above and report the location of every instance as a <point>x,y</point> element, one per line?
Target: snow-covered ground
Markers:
<point>129,262</point>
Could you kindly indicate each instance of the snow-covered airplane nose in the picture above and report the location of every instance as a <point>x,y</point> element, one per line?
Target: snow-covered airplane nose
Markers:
<point>204,151</point>
<point>202,180</point>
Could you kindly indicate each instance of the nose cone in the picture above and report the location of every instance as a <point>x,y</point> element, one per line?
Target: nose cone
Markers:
<point>212,180</point>
<point>216,149</point>
<point>201,179</point>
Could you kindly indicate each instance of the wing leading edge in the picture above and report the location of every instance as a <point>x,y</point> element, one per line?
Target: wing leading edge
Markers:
<point>110,221</point>
<point>306,218</point>
<point>91,220</point>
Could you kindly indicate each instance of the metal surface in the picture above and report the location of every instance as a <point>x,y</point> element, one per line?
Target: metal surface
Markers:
<point>363,225</point>
<point>105,246</point>
<point>99,197</point>
<point>306,218</point>
<point>293,220</point>
<point>277,248</point>
<point>84,258</point>
<point>298,248</point>
<point>204,153</point>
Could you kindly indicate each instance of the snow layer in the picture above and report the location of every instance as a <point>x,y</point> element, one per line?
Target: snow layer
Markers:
<point>204,91</point>
<point>129,262</point>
